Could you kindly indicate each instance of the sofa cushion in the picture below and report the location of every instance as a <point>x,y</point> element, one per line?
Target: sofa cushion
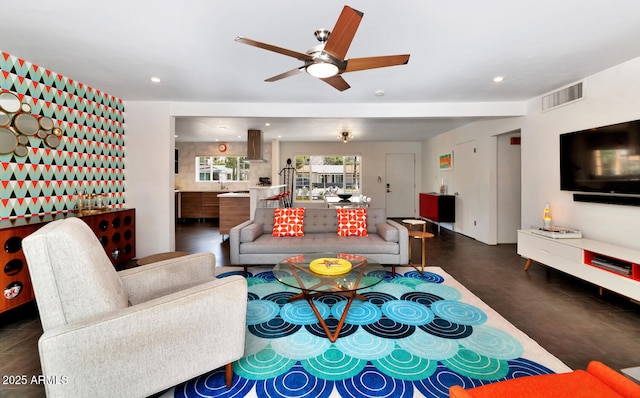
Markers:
<point>388,232</point>
<point>319,243</point>
<point>288,221</point>
<point>319,219</point>
<point>352,222</point>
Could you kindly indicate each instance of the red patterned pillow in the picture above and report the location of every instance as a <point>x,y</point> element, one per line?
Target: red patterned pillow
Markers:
<point>288,222</point>
<point>352,222</point>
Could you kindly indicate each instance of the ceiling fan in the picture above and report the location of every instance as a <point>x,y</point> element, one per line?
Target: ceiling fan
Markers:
<point>327,61</point>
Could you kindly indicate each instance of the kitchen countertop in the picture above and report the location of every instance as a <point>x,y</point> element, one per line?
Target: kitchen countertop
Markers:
<point>234,195</point>
<point>267,186</point>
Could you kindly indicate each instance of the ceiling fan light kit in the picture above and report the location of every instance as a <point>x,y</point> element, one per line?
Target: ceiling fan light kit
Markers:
<point>327,61</point>
<point>322,70</point>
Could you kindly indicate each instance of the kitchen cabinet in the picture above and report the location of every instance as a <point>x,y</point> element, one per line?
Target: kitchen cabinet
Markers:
<point>234,209</point>
<point>198,204</point>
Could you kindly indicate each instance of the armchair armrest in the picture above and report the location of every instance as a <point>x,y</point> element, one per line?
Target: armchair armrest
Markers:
<point>189,332</point>
<point>458,392</point>
<point>164,277</point>
<point>614,380</point>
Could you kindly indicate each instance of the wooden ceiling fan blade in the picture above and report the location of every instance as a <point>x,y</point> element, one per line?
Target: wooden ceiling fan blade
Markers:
<point>270,47</point>
<point>343,32</point>
<point>356,64</point>
<point>281,76</point>
<point>337,82</point>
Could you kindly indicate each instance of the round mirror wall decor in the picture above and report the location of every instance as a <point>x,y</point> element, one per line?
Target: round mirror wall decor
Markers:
<point>5,119</point>
<point>8,140</point>
<point>21,151</point>
<point>26,124</point>
<point>52,140</point>
<point>23,140</point>
<point>46,123</point>
<point>17,124</point>
<point>9,102</point>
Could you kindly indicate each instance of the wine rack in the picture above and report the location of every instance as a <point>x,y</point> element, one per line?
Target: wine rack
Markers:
<point>115,228</point>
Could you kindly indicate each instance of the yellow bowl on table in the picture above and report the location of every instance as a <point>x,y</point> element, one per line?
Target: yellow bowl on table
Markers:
<point>330,266</point>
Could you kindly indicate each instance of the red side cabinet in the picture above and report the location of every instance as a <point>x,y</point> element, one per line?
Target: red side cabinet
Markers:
<point>438,208</point>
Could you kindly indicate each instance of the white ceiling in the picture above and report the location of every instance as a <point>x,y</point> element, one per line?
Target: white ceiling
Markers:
<point>456,48</point>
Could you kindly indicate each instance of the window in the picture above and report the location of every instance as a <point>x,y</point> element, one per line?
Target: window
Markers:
<point>222,168</point>
<point>318,175</point>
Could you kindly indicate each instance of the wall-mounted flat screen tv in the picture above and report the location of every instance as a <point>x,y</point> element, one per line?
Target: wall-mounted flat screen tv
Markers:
<point>603,159</point>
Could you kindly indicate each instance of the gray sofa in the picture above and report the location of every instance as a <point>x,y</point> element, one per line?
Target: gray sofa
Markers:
<point>252,243</point>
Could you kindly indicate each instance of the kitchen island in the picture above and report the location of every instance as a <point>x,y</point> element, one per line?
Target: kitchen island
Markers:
<point>234,210</point>
<point>259,192</point>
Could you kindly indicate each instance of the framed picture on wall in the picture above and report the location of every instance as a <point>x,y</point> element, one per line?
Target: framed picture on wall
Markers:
<point>446,161</point>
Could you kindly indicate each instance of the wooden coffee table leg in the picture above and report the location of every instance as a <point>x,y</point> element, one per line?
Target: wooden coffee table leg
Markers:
<point>332,336</point>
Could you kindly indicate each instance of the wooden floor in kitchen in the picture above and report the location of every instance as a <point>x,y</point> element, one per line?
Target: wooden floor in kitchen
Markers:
<point>566,316</point>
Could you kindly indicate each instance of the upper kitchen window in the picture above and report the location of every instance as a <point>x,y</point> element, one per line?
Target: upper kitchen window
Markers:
<point>222,168</point>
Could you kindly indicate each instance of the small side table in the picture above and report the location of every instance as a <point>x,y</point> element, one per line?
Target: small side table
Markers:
<point>416,234</point>
<point>159,257</point>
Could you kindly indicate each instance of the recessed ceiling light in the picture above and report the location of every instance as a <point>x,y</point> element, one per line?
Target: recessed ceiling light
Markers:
<point>156,79</point>
<point>498,79</point>
<point>222,127</point>
<point>378,93</point>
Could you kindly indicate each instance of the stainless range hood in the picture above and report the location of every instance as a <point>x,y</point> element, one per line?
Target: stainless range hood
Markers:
<point>254,146</point>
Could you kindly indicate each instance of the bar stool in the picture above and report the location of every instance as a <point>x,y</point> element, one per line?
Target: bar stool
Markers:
<point>416,234</point>
<point>272,201</point>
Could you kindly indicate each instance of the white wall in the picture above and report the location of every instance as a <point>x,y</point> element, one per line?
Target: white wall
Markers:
<point>149,175</point>
<point>484,193</point>
<point>611,97</point>
<point>373,161</point>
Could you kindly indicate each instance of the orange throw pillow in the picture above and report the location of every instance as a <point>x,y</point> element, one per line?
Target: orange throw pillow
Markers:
<point>288,222</point>
<point>352,222</point>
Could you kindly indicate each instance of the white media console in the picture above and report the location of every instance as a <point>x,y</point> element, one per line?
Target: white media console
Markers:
<point>611,267</point>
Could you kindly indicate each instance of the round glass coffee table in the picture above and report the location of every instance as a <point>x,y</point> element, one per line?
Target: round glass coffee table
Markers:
<point>295,272</point>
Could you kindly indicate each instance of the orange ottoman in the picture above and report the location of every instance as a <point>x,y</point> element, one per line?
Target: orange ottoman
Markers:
<point>599,381</point>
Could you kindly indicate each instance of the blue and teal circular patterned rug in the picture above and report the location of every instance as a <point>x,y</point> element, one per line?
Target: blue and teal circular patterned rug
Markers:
<point>414,336</point>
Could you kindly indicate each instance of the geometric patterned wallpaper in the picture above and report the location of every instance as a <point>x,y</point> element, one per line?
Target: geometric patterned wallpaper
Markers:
<point>90,156</point>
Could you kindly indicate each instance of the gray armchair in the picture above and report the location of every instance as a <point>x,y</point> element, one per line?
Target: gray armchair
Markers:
<point>131,333</point>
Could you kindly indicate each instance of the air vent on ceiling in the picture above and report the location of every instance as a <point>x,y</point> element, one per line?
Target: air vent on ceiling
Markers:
<point>562,97</point>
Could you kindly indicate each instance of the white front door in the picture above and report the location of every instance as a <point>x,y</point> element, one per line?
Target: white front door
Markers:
<point>400,185</point>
